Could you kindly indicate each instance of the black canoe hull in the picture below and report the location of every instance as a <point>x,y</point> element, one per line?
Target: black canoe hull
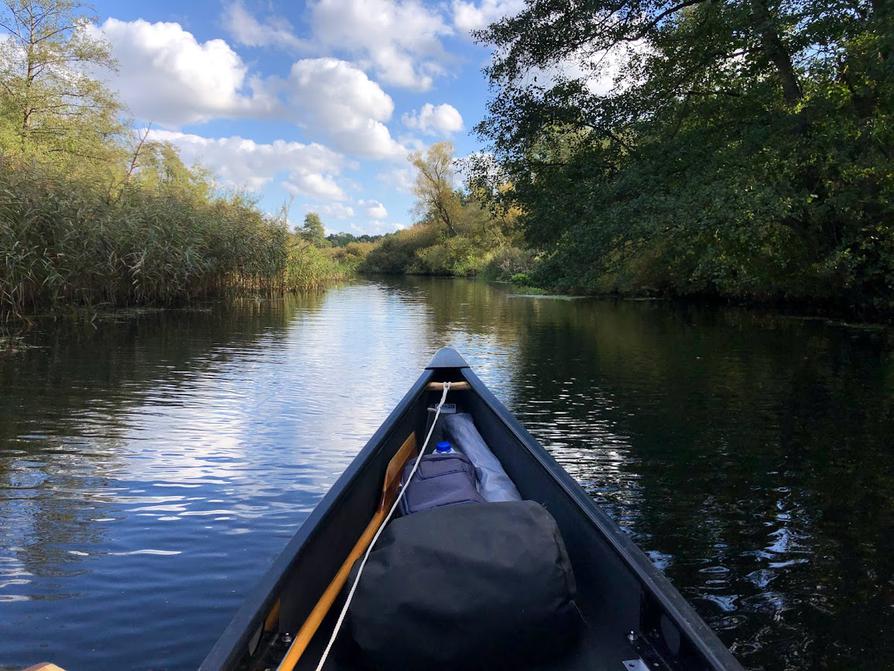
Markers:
<point>631,610</point>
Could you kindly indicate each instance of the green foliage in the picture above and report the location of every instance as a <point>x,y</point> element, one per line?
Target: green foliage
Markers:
<point>345,239</point>
<point>744,150</point>
<point>49,106</point>
<point>353,254</point>
<point>89,216</point>
<point>313,230</point>
<point>396,252</point>
<point>63,242</point>
<point>310,267</point>
<point>460,233</point>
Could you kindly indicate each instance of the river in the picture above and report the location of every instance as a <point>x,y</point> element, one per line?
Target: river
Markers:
<point>153,463</point>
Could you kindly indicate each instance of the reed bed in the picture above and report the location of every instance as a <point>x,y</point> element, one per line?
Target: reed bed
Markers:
<point>67,242</point>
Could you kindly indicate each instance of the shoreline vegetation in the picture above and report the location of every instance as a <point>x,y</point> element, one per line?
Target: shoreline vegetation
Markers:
<point>742,154</point>
<point>735,152</point>
<point>94,214</point>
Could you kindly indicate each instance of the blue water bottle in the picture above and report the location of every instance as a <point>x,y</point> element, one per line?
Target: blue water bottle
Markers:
<point>444,447</point>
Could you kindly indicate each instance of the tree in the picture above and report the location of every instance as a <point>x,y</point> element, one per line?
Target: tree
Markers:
<point>734,147</point>
<point>313,230</point>
<point>436,198</point>
<point>48,97</point>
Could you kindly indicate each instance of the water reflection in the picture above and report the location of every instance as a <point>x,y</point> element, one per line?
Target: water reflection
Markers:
<point>151,467</point>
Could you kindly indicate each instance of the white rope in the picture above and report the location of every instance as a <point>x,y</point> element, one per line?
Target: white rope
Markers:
<point>344,610</point>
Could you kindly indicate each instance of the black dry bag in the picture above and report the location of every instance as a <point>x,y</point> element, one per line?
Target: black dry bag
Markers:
<point>466,587</point>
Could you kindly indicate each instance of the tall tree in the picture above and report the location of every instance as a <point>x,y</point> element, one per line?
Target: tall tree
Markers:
<point>726,146</point>
<point>436,197</point>
<point>46,58</point>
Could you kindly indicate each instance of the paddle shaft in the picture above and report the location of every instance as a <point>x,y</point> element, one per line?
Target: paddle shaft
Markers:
<point>324,605</point>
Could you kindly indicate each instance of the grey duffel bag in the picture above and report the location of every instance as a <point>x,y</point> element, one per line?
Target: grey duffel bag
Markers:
<point>440,480</point>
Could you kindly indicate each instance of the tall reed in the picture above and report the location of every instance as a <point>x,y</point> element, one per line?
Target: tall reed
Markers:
<point>65,241</point>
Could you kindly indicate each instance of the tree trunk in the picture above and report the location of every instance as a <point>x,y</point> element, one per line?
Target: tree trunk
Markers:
<point>776,52</point>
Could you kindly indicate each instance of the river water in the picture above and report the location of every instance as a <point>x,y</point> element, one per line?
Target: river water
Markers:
<point>152,464</point>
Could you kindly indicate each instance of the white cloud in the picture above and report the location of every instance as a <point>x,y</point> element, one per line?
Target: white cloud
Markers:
<point>314,184</point>
<point>601,72</point>
<point>335,98</point>
<point>335,210</point>
<point>377,227</point>
<point>238,162</point>
<point>252,32</point>
<point>401,179</point>
<point>166,76</point>
<point>469,16</point>
<point>435,119</point>
<point>374,209</point>
<point>400,40</point>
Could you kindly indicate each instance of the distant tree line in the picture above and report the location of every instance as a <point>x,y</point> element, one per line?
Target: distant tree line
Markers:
<point>345,239</point>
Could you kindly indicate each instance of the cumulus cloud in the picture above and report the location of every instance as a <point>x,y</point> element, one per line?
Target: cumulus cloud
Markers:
<point>435,119</point>
<point>310,169</point>
<point>400,179</point>
<point>167,76</point>
<point>313,184</point>
<point>374,209</point>
<point>469,16</point>
<point>333,210</point>
<point>338,100</point>
<point>400,40</point>
<point>252,32</point>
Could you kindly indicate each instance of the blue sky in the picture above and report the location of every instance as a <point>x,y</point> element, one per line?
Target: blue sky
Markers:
<point>317,102</point>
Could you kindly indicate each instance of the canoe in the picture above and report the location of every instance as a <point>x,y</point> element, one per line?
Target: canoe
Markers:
<point>635,619</point>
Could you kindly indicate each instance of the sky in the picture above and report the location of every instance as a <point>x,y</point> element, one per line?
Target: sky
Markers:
<point>312,104</point>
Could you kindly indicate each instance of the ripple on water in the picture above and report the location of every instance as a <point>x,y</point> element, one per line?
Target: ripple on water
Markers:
<point>152,468</point>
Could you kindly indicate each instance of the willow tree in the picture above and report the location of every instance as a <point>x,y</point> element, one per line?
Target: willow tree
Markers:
<point>50,99</point>
<point>436,198</point>
<point>738,147</point>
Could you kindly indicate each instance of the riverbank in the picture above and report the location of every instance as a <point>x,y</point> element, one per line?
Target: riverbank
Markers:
<point>68,242</point>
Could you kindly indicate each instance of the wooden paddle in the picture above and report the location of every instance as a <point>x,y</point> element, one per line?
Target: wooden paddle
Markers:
<point>321,609</point>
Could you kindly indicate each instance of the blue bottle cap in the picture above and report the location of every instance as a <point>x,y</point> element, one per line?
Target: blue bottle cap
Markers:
<point>443,446</point>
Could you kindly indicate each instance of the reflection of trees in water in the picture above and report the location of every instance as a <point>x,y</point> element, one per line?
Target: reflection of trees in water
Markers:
<point>63,412</point>
<point>750,452</point>
<point>761,456</point>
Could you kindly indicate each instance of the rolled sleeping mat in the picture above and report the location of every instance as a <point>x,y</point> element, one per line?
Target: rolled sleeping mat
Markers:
<point>493,483</point>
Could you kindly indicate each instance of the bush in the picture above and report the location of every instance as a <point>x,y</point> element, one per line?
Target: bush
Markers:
<point>396,253</point>
<point>311,267</point>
